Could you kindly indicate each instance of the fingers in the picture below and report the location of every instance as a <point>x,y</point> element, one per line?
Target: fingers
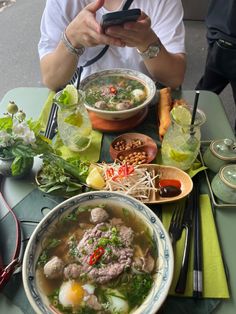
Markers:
<point>132,33</point>
<point>92,38</point>
<point>143,23</point>
<point>92,23</point>
<point>94,6</point>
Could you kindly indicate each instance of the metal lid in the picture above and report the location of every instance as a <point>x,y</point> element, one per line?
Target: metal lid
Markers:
<point>224,149</point>
<point>228,175</point>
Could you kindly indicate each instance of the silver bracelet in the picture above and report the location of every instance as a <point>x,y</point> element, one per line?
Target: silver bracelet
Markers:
<point>76,51</point>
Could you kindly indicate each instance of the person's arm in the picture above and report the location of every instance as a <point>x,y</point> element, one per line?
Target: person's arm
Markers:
<point>58,67</point>
<point>166,68</point>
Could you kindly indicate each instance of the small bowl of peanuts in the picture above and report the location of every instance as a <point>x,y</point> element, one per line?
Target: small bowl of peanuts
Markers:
<point>133,149</point>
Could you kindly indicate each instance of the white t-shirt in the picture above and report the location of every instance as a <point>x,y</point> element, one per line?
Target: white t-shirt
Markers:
<point>166,18</point>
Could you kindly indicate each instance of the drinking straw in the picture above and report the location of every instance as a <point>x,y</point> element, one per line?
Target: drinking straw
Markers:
<point>194,111</point>
<point>195,106</point>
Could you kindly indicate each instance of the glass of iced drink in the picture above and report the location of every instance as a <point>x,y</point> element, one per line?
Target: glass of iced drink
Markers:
<point>181,143</point>
<point>74,125</point>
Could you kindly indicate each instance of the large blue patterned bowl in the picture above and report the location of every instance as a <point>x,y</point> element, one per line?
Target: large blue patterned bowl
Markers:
<point>164,264</point>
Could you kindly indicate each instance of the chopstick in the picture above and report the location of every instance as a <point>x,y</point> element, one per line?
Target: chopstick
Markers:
<point>52,121</point>
<point>197,263</point>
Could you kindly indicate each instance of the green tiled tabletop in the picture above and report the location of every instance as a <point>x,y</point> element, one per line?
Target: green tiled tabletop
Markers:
<point>22,195</point>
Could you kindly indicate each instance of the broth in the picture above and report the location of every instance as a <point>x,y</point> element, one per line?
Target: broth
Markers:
<point>74,234</point>
<point>115,93</point>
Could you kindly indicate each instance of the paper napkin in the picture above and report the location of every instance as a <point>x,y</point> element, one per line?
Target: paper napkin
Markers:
<point>214,277</point>
<point>92,153</point>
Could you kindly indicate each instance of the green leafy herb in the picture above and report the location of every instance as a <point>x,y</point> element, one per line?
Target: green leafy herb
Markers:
<point>137,289</point>
<point>64,97</point>
<point>62,177</point>
<point>44,256</point>
<point>73,247</point>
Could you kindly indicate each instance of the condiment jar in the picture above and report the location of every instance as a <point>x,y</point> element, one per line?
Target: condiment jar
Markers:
<point>220,153</point>
<point>224,184</point>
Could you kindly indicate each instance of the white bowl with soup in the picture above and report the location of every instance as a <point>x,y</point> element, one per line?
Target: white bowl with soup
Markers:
<point>98,252</point>
<point>117,94</point>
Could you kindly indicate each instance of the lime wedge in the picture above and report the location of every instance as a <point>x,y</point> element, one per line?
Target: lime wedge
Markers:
<point>72,93</point>
<point>179,156</point>
<point>82,142</point>
<point>181,115</point>
<point>95,179</point>
<point>69,96</point>
<point>75,119</point>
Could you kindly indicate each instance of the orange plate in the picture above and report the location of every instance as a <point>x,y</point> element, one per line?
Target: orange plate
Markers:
<point>119,125</point>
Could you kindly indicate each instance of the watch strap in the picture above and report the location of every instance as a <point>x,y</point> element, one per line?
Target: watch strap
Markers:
<point>151,52</point>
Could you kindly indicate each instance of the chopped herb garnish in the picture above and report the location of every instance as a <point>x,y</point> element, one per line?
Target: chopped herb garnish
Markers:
<point>43,258</point>
<point>53,243</point>
<point>125,212</point>
<point>103,228</point>
<point>70,217</point>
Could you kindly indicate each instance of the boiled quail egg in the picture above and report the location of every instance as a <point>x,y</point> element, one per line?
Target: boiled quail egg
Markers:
<point>138,94</point>
<point>117,302</point>
<point>72,293</point>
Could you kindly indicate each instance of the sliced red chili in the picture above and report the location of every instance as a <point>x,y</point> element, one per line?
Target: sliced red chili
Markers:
<point>125,170</point>
<point>113,90</point>
<point>110,172</point>
<point>96,255</point>
<point>130,169</point>
<point>121,171</point>
<point>169,182</point>
<point>115,177</point>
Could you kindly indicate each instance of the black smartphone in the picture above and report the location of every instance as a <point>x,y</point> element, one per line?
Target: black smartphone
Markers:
<point>120,17</point>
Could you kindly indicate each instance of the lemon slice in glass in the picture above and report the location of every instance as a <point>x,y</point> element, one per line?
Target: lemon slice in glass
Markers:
<point>95,179</point>
<point>181,115</point>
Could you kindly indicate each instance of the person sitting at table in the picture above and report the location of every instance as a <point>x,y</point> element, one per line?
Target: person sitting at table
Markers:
<point>220,68</point>
<point>71,34</point>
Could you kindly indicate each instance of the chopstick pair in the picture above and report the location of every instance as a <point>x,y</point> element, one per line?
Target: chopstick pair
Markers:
<point>197,262</point>
<point>191,220</point>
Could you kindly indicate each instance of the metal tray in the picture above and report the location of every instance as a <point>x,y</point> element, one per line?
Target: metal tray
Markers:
<point>209,176</point>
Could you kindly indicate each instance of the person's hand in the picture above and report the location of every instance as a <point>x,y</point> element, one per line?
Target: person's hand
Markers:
<point>86,31</point>
<point>137,34</point>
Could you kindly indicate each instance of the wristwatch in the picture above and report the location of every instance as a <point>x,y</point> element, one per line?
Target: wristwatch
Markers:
<point>151,52</point>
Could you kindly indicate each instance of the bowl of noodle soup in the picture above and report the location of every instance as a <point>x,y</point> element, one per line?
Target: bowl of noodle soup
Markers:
<point>98,252</point>
<point>117,94</point>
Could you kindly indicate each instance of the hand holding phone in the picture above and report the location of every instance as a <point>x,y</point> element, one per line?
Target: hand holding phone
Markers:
<point>120,17</point>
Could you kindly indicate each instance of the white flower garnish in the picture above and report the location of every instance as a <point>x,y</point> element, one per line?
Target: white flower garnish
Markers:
<point>22,130</point>
<point>5,139</point>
